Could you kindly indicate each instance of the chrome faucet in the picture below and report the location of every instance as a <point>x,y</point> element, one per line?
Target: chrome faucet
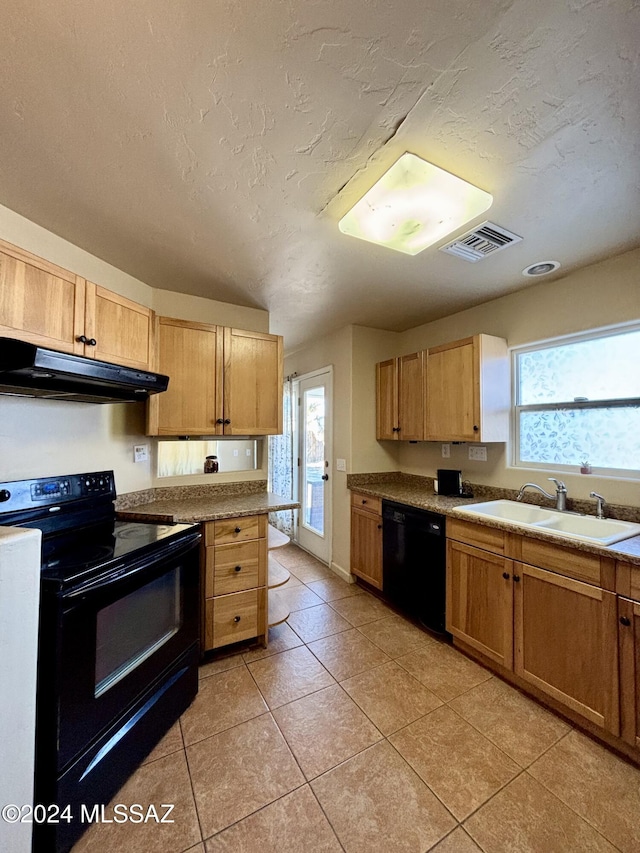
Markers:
<point>560,496</point>
<point>599,505</point>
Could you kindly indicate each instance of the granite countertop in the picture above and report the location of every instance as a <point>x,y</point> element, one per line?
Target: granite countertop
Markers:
<point>204,507</point>
<point>418,492</point>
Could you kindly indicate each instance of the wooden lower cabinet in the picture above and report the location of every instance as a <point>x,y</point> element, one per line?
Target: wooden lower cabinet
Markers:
<point>555,633</point>
<point>366,539</point>
<point>480,601</point>
<point>565,642</point>
<point>629,649</point>
<point>235,581</point>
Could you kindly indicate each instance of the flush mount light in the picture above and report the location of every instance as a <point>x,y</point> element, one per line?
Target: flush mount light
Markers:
<point>541,268</point>
<point>413,205</point>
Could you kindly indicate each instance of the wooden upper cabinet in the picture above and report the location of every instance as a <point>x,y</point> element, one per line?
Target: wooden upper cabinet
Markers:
<point>52,307</point>
<point>467,396</point>
<point>191,355</point>
<point>387,399</point>
<point>39,301</point>
<point>253,372</point>
<point>566,640</point>
<point>222,381</point>
<point>121,328</point>
<point>400,398</point>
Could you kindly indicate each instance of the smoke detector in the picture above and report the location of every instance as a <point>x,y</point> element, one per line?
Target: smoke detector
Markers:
<point>485,240</point>
<point>541,268</point>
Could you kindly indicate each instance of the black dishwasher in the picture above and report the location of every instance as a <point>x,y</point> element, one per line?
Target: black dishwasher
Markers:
<point>414,562</point>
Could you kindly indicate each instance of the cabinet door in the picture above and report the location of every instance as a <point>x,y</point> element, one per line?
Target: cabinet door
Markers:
<point>121,328</point>
<point>480,601</point>
<point>566,642</point>
<point>629,646</point>
<point>387,399</point>
<point>411,392</point>
<point>452,392</point>
<point>253,373</point>
<point>40,302</point>
<point>191,355</point>
<point>366,546</point>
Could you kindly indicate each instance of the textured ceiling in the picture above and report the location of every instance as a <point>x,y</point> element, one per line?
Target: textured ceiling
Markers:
<point>211,147</point>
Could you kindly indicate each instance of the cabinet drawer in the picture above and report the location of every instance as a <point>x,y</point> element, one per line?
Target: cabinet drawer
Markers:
<point>628,580</point>
<point>489,538</point>
<point>367,503</point>
<point>232,618</point>
<point>229,530</point>
<point>566,561</point>
<point>232,568</point>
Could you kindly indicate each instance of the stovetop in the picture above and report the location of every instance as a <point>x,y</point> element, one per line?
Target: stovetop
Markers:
<point>78,554</point>
<point>80,534</point>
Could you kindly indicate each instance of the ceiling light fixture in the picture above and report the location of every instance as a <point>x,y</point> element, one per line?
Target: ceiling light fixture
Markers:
<point>413,205</point>
<point>541,268</point>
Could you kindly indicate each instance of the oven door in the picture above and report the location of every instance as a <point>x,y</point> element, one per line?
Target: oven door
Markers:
<point>114,638</point>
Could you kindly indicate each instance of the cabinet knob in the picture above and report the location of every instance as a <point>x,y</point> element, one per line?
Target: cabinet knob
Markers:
<point>226,421</point>
<point>516,578</point>
<point>395,429</point>
<point>379,527</point>
<point>5,494</point>
<point>624,620</point>
<point>237,530</point>
<point>92,342</point>
<point>238,569</point>
<point>236,619</point>
<point>364,500</point>
<point>219,421</point>
<point>82,339</point>
<point>506,575</point>
<point>476,428</point>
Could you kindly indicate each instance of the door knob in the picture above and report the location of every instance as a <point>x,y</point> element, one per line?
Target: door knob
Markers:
<point>324,477</point>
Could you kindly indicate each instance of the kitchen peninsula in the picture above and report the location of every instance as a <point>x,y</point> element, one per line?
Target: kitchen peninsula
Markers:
<point>234,565</point>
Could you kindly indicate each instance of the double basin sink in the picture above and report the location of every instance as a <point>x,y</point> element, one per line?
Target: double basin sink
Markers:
<point>601,531</point>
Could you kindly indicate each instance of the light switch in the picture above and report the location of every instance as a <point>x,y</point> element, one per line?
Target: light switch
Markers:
<point>140,452</point>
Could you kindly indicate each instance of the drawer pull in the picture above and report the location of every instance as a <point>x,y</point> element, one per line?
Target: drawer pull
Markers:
<point>506,575</point>
<point>363,501</point>
<point>238,530</point>
<point>237,568</point>
<point>236,619</point>
<point>516,578</point>
<point>624,620</point>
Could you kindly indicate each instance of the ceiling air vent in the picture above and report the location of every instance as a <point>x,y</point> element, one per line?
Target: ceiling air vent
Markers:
<point>485,240</point>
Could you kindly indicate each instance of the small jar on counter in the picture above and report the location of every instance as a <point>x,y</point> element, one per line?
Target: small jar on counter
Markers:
<point>211,465</point>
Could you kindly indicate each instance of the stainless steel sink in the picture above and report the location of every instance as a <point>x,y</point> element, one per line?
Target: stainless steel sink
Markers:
<point>603,531</point>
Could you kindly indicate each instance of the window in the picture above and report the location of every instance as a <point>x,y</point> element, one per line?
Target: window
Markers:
<point>578,403</point>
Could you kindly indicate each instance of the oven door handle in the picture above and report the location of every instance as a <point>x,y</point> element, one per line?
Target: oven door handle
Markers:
<point>168,553</point>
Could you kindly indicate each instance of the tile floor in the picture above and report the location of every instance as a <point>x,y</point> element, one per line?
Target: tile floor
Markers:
<point>355,731</point>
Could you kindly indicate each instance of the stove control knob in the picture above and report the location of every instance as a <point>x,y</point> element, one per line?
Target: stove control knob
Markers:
<point>4,495</point>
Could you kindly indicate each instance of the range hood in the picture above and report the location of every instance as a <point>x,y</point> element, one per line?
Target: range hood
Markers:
<point>27,370</point>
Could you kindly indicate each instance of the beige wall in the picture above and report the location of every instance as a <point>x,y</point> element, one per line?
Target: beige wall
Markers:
<point>335,350</point>
<point>42,438</point>
<point>602,294</point>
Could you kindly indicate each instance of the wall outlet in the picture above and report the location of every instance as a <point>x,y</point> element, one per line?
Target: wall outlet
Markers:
<point>235,452</point>
<point>247,452</point>
<point>446,451</point>
<point>140,452</point>
<point>478,453</point>
<point>341,464</point>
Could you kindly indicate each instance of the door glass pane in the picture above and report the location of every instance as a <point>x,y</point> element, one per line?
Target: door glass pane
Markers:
<point>132,628</point>
<point>313,459</point>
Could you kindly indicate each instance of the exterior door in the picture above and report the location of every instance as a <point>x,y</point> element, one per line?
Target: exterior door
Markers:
<point>314,481</point>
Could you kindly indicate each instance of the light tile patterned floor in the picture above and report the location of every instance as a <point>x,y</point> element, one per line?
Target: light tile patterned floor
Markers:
<point>356,731</point>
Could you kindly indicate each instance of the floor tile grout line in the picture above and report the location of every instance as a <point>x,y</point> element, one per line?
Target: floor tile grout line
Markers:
<point>558,797</point>
<point>327,818</point>
<point>497,745</point>
<point>193,794</point>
